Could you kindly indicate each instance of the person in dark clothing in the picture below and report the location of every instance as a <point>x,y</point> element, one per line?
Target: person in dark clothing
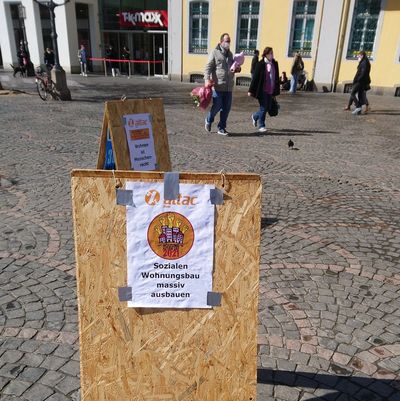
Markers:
<point>254,62</point>
<point>264,86</point>
<point>284,82</point>
<point>22,56</point>
<point>113,65</point>
<point>125,55</point>
<point>49,59</point>
<point>361,83</point>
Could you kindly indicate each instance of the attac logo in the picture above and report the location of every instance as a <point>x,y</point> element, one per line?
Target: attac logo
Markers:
<point>152,198</point>
<point>144,18</point>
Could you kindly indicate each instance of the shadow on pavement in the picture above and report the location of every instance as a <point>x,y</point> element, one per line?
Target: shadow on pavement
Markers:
<point>268,221</point>
<point>273,132</point>
<point>348,387</point>
<point>281,132</point>
<point>384,113</point>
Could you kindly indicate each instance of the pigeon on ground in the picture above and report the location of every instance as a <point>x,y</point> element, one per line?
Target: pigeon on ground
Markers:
<point>290,144</point>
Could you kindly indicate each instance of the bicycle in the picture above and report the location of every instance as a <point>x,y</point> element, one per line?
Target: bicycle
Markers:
<point>45,85</point>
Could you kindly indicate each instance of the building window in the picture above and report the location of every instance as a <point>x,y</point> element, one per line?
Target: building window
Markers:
<point>303,21</point>
<point>46,27</point>
<point>247,26</point>
<point>198,41</point>
<point>363,27</point>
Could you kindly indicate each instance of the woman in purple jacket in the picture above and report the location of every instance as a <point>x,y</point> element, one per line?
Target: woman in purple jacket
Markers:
<point>264,86</point>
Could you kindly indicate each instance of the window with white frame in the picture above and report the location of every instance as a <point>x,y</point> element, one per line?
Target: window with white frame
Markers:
<point>303,21</point>
<point>247,26</point>
<point>198,28</point>
<point>363,27</point>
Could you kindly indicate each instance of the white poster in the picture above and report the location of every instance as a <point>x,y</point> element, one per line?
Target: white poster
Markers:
<point>170,246</point>
<point>139,133</point>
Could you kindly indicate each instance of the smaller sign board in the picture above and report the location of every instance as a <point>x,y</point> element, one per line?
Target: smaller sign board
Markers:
<point>134,133</point>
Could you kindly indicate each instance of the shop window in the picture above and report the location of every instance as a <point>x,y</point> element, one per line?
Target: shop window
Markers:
<point>248,14</point>
<point>46,27</point>
<point>363,27</point>
<point>243,81</point>
<point>347,88</point>
<point>302,30</point>
<point>82,11</point>
<point>197,78</point>
<point>109,14</point>
<point>198,41</point>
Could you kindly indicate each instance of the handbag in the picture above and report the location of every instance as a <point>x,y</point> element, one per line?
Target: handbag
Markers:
<point>274,108</point>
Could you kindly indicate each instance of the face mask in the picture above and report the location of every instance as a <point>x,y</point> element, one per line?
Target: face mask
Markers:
<point>225,45</point>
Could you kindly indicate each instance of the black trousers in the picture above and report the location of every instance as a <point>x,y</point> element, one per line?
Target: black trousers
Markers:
<point>358,95</point>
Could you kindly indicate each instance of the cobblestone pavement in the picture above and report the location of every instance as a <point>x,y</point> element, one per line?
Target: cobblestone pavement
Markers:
<point>329,313</point>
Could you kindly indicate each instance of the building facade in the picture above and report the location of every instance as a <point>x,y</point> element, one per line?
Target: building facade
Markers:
<point>139,25</point>
<point>328,33</point>
<point>28,22</point>
<point>176,35</point>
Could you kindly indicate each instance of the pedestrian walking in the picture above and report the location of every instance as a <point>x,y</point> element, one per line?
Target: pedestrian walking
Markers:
<point>49,59</point>
<point>264,87</point>
<point>218,71</point>
<point>361,84</point>
<point>113,66</point>
<point>297,69</point>
<point>82,57</point>
<point>126,56</point>
<point>22,56</point>
<point>254,62</point>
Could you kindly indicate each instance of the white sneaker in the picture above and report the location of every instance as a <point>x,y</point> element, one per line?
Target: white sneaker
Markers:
<point>222,131</point>
<point>262,129</point>
<point>357,111</point>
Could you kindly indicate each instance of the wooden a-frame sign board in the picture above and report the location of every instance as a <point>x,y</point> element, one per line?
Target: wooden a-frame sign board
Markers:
<point>132,354</point>
<point>113,121</point>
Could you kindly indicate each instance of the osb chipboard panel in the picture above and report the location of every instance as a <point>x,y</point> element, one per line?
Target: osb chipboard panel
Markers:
<point>157,354</point>
<point>114,112</point>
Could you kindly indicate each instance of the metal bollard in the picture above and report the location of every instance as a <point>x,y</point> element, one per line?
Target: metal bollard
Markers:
<point>129,69</point>
<point>148,70</point>
<point>105,67</point>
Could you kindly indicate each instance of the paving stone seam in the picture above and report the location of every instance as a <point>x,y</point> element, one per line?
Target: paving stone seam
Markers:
<point>53,245</point>
<point>394,279</point>
<point>50,336</point>
<point>309,344</point>
<point>56,264</point>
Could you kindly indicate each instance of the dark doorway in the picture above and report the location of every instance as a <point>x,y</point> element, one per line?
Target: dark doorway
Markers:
<point>82,23</point>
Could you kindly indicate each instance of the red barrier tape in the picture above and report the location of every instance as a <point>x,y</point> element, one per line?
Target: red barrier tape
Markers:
<point>126,61</point>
